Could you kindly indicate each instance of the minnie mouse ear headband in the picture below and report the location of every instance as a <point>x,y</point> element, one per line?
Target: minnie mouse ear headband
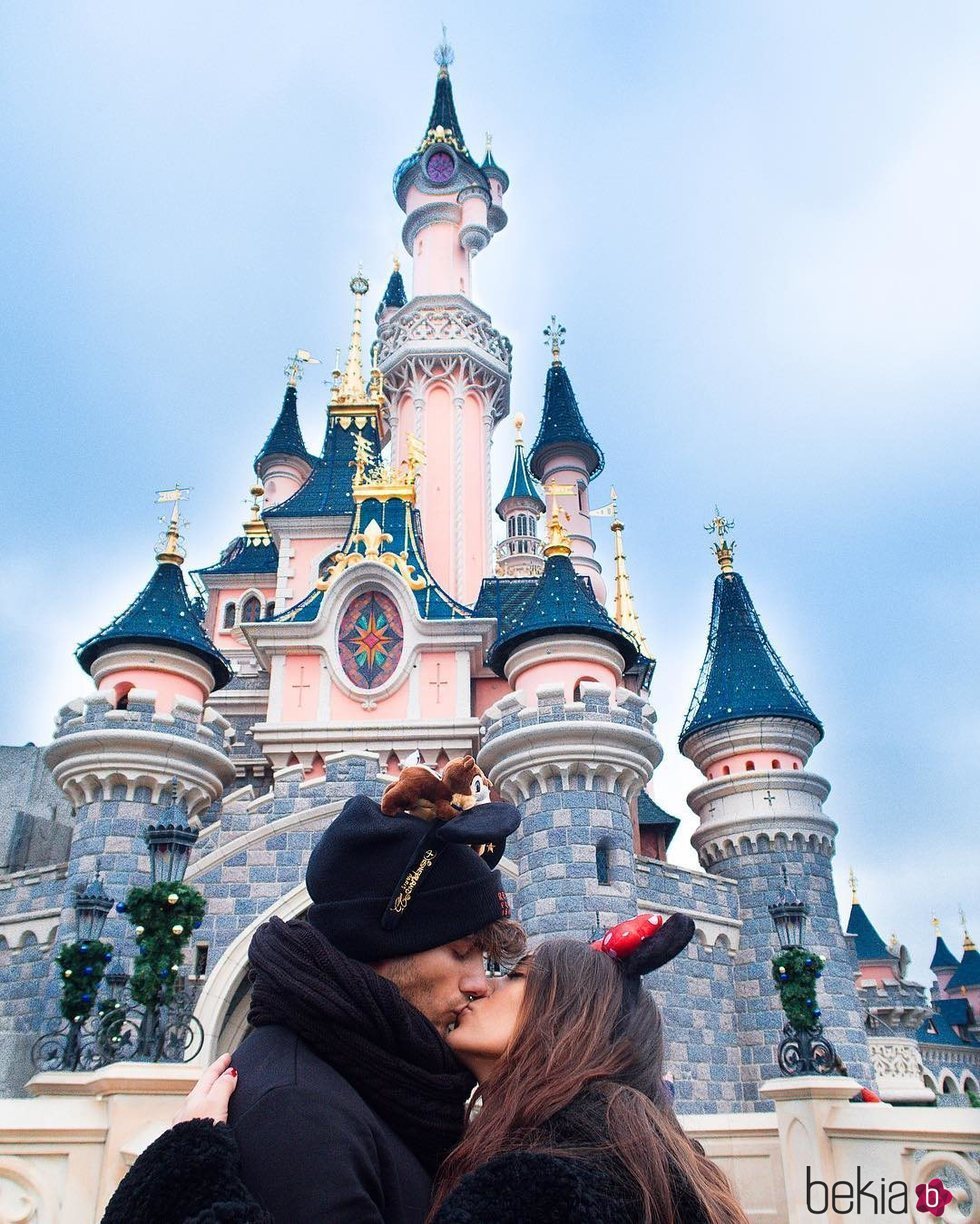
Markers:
<point>645,943</point>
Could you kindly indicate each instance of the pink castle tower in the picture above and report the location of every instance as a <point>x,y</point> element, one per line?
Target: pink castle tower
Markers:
<point>446,369</point>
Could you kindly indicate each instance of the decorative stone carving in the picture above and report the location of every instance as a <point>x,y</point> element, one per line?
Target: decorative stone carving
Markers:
<point>898,1070</point>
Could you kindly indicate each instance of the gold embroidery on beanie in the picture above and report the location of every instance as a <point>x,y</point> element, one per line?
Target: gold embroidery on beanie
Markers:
<point>411,882</point>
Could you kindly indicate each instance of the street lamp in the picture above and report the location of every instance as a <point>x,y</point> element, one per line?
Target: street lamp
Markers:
<point>92,905</point>
<point>170,844</point>
<point>789,915</point>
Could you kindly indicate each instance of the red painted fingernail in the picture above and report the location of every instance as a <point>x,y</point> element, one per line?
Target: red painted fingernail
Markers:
<point>232,1071</point>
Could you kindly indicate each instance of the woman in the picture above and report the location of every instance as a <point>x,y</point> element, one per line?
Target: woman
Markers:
<point>575,1123</point>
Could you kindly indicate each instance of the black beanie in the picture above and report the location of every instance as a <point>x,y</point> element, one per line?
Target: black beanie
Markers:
<point>385,886</point>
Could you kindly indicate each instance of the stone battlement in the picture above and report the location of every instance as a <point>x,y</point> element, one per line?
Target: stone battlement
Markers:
<point>187,718</point>
<point>598,704</point>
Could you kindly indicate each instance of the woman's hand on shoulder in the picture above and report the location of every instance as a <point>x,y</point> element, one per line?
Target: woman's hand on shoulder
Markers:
<point>210,1095</point>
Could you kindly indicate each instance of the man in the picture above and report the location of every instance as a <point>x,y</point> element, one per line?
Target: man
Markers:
<point>348,1097</point>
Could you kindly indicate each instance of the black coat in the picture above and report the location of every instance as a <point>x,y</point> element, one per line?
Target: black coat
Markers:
<point>311,1148</point>
<point>193,1175</point>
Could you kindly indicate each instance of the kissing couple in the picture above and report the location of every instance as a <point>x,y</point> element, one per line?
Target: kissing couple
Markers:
<point>388,1079</point>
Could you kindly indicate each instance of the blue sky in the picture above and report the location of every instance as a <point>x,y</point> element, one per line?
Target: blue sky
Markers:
<point>758,223</point>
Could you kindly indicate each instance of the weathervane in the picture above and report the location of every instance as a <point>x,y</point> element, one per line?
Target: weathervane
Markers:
<point>554,336</point>
<point>724,551</point>
<point>294,367</point>
<point>171,549</point>
<point>444,54</point>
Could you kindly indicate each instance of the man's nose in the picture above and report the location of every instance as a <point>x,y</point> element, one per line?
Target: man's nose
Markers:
<point>476,983</point>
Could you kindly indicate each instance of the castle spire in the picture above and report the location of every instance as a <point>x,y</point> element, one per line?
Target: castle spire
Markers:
<point>350,388</point>
<point>562,428</point>
<point>520,493</point>
<point>742,676</point>
<point>942,957</point>
<point>624,610</point>
<point>285,440</point>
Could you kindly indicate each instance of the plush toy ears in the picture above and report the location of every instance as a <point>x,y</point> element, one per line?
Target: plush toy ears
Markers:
<point>485,828</point>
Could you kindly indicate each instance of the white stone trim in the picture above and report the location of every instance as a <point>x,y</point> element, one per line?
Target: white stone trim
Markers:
<point>42,924</point>
<point>572,648</point>
<point>792,736</point>
<point>152,658</point>
<point>88,764</point>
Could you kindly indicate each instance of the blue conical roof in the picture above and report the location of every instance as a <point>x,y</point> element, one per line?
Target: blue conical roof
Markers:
<point>246,555</point>
<point>327,490</point>
<point>394,295</point>
<point>444,113</point>
<point>942,958</point>
<point>742,676</point>
<point>520,486</point>
<point>286,437</point>
<point>160,614</point>
<point>651,815</point>
<point>562,426</point>
<point>492,170</point>
<point>560,602</point>
<point>968,974</point>
<point>868,945</point>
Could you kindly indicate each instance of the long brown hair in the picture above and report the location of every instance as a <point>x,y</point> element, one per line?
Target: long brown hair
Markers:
<point>575,1031</point>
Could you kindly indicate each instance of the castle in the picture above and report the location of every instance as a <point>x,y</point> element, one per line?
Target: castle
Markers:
<point>366,613</point>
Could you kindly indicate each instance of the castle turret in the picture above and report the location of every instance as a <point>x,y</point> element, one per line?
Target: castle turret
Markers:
<point>520,554</point>
<point>447,198</point>
<point>394,295</point>
<point>965,982</point>
<point>158,642</point>
<point>943,964</point>
<point>571,747</point>
<point>284,464</point>
<point>124,749</point>
<point>499,182</point>
<point>750,732</point>
<point>565,458</point>
<point>446,369</point>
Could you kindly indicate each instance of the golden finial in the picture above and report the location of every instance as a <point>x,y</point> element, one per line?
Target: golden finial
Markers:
<point>968,944</point>
<point>294,367</point>
<point>518,426</point>
<point>362,457</point>
<point>853,881</point>
<point>724,551</point>
<point>558,543</point>
<point>935,926</point>
<point>554,335</point>
<point>396,262</point>
<point>350,396</point>
<point>624,610</point>
<point>489,142</point>
<point>255,528</point>
<point>172,550</point>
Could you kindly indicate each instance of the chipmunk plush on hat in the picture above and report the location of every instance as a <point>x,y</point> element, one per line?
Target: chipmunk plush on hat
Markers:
<point>422,791</point>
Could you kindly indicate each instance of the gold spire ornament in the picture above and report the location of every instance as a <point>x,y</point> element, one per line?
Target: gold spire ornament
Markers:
<point>256,531</point>
<point>853,881</point>
<point>554,335</point>
<point>172,549</point>
<point>624,610</point>
<point>724,550</point>
<point>558,542</point>
<point>351,398</point>
<point>518,426</point>
<point>968,944</point>
<point>294,367</point>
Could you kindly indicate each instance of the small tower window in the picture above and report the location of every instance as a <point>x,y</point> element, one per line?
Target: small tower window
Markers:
<point>577,691</point>
<point>750,764</point>
<point>581,498</point>
<point>228,619</point>
<point>122,695</point>
<point>201,960</point>
<point>251,610</point>
<point>726,769</point>
<point>796,764</point>
<point>602,864</point>
<point>776,765</point>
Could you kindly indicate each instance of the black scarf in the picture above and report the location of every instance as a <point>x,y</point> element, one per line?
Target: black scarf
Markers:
<point>357,1021</point>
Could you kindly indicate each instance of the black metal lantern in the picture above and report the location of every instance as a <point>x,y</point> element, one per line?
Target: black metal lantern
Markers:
<point>92,905</point>
<point>788,914</point>
<point>170,844</point>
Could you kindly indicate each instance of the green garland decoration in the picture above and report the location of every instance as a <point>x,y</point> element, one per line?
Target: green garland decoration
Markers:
<point>795,972</point>
<point>83,964</point>
<point>163,917</point>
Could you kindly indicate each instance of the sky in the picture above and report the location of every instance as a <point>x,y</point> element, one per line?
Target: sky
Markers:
<point>759,224</point>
